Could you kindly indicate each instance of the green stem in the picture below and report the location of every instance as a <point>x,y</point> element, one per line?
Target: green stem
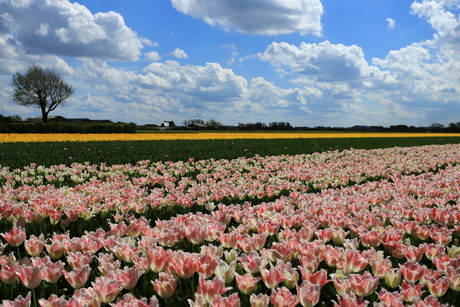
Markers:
<point>34,298</point>
<point>19,253</point>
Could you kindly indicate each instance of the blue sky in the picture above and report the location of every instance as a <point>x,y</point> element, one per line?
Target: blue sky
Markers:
<point>306,62</point>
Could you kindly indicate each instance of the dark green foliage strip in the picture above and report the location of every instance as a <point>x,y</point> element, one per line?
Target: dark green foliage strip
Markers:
<point>26,127</point>
<point>16,155</point>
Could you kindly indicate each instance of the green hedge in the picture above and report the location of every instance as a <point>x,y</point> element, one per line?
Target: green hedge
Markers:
<point>67,128</point>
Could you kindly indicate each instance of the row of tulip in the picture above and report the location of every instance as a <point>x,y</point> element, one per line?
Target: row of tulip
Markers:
<point>388,242</point>
<point>65,194</point>
<point>74,137</point>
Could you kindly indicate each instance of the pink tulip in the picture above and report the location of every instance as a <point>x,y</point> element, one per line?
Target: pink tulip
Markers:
<point>318,278</point>
<point>441,235</point>
<point>441,262</point>
<point>16,236</point>
<point>410,291</point>
<point>230,301</point>
<point>422,232</point>
<point>352,262</point>
<point>129,276</point>
<point>107,267</point>
<point>433,250</point>
<point>125,252</point>
<point>370,238</point>
<point>454,277</point>
<point>130,300</point>
<point>272,277</point>
<point>195,233</point>
<point>228,240</point>
<point>84,297</point>
<point>324,235</point>
<point>437,286</point>
<point>395,299</point>
<point>8,273</point>
<point>246,283</point>
<point>56,249</point>
<point>165,285</point>
<point>209,288</point>
<point>380,267</point>
<point>413,253</point>
<point>53,300</point>
<point>260,300</point>
<point>182,264</point>
<point>331,255</point>
<point>283,251</point>
<point>251,263</point>
<point>310,261</point>
<point>19,301</point>
<point>77,260</point>
<point>341,285</point>
<point>282,297</point>
<point>34,245</point>
<point>363,284</point>
<point>30,276</point>
<point>158,259</point>
<point>430,300</point>
<point>52,271</point>
<point>107,289</point>
<point>412,271</point>
<point>308,293</point>
<point>252,243</point>
<point>339,235</point>
<point>268,227</point>
<point>306,233</point>
<point>207,265</point>
<point>78,277</point>
<point>350,299</point>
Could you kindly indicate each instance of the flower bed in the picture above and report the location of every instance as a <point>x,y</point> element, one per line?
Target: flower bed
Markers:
<point>89,137</point>
<point>357,226</point>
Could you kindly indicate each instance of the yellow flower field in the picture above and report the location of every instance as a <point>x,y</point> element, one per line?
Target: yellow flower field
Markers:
<point>62,137</point>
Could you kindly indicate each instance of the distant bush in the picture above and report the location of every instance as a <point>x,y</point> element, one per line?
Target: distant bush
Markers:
<point>25,127</point>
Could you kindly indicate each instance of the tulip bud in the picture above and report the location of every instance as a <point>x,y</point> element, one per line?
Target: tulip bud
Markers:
<point>393,278</point>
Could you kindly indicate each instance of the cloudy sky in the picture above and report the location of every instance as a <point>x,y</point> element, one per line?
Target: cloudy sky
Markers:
<point>306,62</point>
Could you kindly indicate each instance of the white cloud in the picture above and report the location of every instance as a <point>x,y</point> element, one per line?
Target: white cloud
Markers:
<point>179,53</point>
<point>152,56</point>
<point>391,23</point>
<point>264,17</point>
<point>435,11</point>
<point>323,62</point>
<point>204,83</point>
<point>61,27</point>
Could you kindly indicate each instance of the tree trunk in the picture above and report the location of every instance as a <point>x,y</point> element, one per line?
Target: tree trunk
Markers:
<point>44,117</point>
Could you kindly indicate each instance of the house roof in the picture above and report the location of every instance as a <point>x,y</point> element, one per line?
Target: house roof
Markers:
<point>168,123</point>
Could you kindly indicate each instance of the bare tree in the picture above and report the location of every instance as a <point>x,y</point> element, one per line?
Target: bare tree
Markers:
<point>40,87</point>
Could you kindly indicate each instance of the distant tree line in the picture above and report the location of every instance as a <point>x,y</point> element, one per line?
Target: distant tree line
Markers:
<point>211,124</point>
<point>262,126</point>
<point>285,126</point>
<point>10,119</point>
<point>452,127</point>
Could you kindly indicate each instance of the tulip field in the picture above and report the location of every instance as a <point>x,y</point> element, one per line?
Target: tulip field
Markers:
<point>353,227</point>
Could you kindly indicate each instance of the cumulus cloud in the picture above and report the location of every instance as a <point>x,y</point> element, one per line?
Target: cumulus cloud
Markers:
<point>61,27</point>
<point>264,17</point>
<point>152,56</point>
<point>323,62</point>
<point>206,83</point>
<point>179,54</point>
<point>446,24</point>
<point>391,23</point>
<point>435,11</point>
